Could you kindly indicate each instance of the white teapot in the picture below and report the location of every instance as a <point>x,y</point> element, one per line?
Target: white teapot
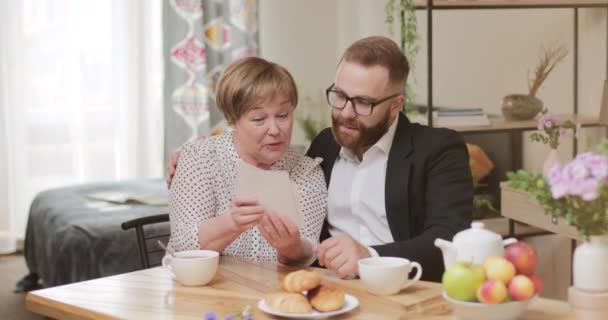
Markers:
<point>472,245</point>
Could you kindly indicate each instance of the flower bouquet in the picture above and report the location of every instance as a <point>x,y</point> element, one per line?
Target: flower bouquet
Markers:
<point>578,193</point>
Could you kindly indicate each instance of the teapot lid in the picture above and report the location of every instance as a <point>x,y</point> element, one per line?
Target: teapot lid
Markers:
<point>476,234</point>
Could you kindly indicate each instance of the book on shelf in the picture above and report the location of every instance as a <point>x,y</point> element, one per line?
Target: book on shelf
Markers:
<point>461,121</point>
<point>119,197</point>
<point>459,112</point>
<point>452,117</point>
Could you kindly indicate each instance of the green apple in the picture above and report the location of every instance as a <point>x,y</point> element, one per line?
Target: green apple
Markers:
<point>462,279</point>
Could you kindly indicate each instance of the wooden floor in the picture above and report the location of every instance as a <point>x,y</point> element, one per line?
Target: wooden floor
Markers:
<point>12,269</point>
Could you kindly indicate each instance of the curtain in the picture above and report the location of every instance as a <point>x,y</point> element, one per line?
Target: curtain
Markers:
<point>80,98</point>
<point>201,38</point>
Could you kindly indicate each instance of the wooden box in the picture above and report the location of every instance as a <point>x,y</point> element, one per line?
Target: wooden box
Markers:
<point>516,204</point>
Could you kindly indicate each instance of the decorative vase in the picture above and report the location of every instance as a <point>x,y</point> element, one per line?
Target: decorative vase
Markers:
<point>590,265</point>
<point>520,107</point>
<point>551,160</point>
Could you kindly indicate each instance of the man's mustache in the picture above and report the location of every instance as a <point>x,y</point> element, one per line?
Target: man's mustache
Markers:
<point>346,123</point>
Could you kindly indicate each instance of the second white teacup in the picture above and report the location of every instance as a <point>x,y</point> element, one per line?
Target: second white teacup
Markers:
<point>192,267</point>
<point>387,275</point>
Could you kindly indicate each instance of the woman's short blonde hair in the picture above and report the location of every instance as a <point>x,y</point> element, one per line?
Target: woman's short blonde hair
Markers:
<point>250,81</point>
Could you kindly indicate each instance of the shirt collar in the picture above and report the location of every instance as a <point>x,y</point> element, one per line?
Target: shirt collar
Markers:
<point>384,144</point>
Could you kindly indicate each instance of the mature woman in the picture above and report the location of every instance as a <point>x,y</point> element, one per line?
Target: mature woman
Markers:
<point>258,98</point>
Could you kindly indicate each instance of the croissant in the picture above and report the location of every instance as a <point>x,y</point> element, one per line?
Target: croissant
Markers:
<point>288,302</point>
<point>299,281</point>
<point>326,297</point>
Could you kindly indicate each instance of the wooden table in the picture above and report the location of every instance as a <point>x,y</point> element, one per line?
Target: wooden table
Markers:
<point>152,294</point>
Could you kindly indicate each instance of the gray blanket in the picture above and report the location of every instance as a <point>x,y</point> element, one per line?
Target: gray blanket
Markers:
<point>67,240</point>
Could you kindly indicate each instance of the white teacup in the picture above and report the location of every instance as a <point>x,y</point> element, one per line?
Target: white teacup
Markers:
<point>192,267</point>
<point>387,275</point>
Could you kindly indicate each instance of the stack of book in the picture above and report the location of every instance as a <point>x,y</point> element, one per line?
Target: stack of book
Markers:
<point>460,117</point>
<point>455,117</point>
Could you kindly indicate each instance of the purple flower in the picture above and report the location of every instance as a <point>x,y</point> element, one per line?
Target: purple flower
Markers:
<point>588,190</point>
<point>210,316</point>
<point>547,121</point>
<point>248,318</point>
<point>582,177</point>
<point>229,318</point>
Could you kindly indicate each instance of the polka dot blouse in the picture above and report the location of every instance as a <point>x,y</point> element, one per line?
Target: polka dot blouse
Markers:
<point>203,188</point>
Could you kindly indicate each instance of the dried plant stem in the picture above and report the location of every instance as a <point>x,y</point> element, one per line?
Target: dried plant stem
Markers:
<point>548,60</point>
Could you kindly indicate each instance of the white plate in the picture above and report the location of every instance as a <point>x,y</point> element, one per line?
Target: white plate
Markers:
<point>350,303</point>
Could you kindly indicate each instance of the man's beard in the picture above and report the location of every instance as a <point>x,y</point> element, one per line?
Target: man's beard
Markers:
<point>367,136</point>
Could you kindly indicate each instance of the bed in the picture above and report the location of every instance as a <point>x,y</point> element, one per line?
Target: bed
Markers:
<point>70,237</point>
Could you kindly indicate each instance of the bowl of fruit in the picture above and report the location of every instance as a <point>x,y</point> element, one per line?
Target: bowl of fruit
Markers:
<point>499,289</point>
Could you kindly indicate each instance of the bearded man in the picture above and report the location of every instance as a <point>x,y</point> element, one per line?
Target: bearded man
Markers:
<point>393,186</point>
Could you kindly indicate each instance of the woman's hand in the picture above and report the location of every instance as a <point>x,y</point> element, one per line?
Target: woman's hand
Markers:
<point>284,236</point>
<point>245,213</point>
<point>217,233</point>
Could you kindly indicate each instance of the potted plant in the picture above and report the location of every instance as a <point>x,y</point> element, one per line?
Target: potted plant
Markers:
<point>578,194</point>
<point>527,106</point>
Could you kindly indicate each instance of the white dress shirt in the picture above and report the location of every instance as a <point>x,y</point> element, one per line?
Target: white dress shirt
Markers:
<point>356,193</point>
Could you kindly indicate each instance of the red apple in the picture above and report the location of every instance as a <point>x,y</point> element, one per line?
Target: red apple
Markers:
<point>523,257</point>
<point>521,287</point>
<point>538,283</point>
<point>492,291</point>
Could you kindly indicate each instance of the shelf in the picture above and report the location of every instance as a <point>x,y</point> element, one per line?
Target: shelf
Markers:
<point>516,204</point>
<point>500,225</point>
<point>511,4</point>
<point>499,124</point>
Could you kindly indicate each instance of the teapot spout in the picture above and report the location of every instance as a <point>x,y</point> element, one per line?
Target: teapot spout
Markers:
<point>448,251</point>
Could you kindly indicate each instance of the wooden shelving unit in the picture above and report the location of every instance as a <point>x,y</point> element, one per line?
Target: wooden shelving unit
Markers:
<point>521,217</point>
<point>507,4</point>
<point>499,124</point>
<point>438,5</point>
<point>514,129</point>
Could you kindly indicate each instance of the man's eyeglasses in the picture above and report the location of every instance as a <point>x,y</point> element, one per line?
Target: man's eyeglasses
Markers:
<point>362,106</point>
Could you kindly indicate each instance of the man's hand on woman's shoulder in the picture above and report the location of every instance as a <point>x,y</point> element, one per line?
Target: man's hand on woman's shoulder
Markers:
<point>172,165</point>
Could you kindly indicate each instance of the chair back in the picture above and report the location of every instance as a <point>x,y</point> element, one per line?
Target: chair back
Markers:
<point>148,230</point>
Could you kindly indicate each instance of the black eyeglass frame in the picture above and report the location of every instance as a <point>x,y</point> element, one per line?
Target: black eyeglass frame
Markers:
<point>373,104</point>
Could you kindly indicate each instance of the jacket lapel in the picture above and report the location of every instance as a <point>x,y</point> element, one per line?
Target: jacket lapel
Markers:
<point>328,162</point>
<point>397,181</point>
<point>333,149</point>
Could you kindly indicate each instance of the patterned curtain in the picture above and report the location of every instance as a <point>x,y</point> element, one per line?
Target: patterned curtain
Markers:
<point>201,38</point>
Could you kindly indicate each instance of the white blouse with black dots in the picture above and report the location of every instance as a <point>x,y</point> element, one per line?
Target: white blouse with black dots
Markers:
<point>203,187</point>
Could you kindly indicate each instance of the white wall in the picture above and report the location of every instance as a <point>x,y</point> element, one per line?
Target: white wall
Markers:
<point>479,57</point>
<point>301,35</point>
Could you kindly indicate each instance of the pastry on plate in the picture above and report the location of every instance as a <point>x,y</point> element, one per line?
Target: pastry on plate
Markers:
<point>301,280</point>
<point>326,297</point>
<point>287,302</point>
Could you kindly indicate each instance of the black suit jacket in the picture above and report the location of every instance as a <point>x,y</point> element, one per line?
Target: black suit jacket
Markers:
<point>428,190</point>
